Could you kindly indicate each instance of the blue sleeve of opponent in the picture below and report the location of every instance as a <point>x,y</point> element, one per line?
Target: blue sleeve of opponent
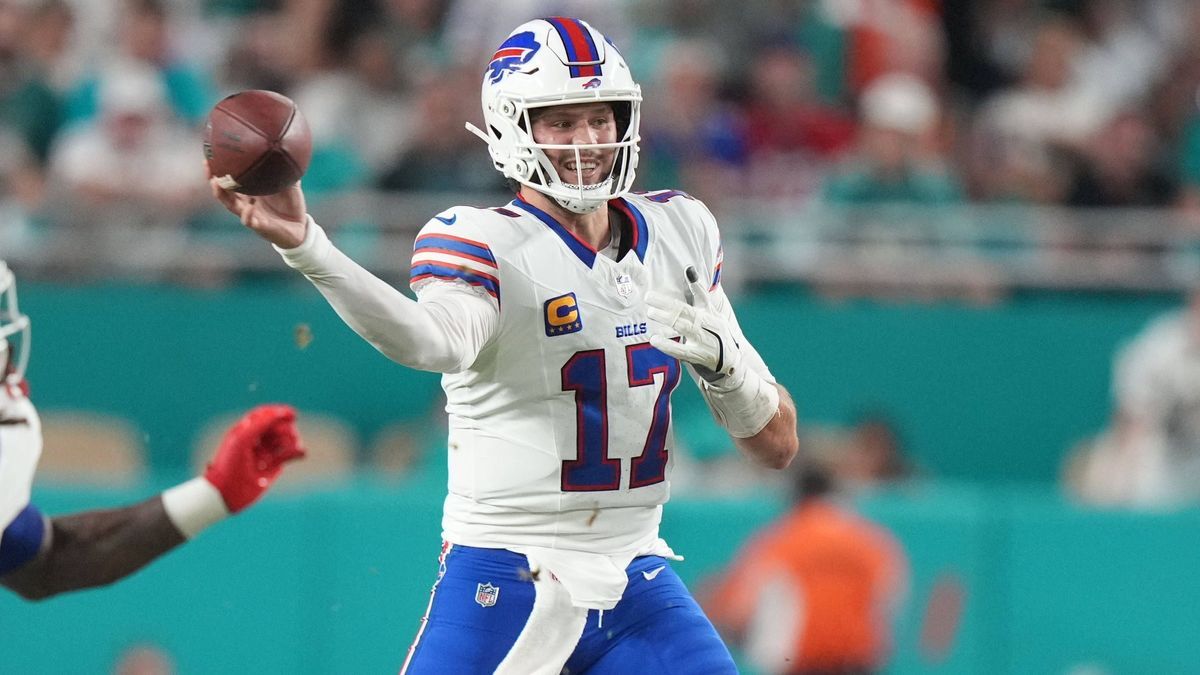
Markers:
<point>22,539</point>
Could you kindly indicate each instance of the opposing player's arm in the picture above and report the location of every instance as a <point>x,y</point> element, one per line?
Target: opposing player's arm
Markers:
<point>96,548</point>
<point>444,332</point>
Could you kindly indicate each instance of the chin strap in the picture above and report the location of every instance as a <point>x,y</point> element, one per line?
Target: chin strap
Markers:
<point>581,207</point>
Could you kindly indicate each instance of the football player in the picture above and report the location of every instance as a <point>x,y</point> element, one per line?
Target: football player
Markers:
<point>41,557</point>
<point>562,321</point>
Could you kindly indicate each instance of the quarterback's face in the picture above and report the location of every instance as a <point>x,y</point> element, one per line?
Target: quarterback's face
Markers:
<point>578,124</point>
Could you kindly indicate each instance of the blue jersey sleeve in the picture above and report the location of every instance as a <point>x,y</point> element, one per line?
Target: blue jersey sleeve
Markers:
<point>22,539</point>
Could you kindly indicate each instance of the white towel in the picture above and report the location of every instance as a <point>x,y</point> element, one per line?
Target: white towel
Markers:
<point>551,633</point>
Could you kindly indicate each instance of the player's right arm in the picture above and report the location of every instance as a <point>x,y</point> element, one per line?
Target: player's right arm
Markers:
<point>443,332</point>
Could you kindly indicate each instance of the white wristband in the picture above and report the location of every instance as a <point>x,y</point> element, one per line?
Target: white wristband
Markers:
<point>745,409</point>
<point>194,505</point>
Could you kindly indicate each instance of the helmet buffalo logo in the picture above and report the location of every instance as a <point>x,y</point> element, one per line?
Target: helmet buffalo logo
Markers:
<point>514,53</point>
<point>592,83</point>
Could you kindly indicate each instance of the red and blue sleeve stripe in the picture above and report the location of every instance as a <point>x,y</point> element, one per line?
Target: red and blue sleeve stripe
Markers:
<point>582,55</point>
<point>465,248</point>
<point>444,256</point>
<point>717,270</point>
<point>429,270</point>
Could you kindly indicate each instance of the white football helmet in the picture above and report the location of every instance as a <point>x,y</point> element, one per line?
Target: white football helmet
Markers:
<point>549,62</point>
<point>14,331</point>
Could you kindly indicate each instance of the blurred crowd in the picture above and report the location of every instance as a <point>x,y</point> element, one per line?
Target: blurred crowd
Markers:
<point>1071,102</point>
<point>1148,454</point>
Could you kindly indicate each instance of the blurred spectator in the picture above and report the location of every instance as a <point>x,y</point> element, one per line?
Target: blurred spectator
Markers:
<point>442,156</point>
<point>744,30</point>
<point>30,115</point>
<point>357,112</point>
<point>257,57</point>
<point>690,137</point>
<point>1150,455</point>
<point>135,172</point>
<point>1066,102</point>
<point>47,39</point>
<point>144,37</point>
<point>785,112</point>
<point>1126,49</point>
<point>871,455</point>
<point>1120,167</point>
<point>1178,108</point>
<point>896,162</point>
<point>791,136</point>
<point>1100,471</point>
<point>359,91</point>
<point>888,36</point>
<point>29,106</point>
<point>414,30</point>
<point>474,28</point>
<point>1022,132</point>
<point>21,183</point>
<point>816,591</point>
<point>144,659</point>
<point>987,43</point>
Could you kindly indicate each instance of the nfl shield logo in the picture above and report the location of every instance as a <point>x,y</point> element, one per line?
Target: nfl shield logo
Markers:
<point>624,285</point>
<point>486,594</point>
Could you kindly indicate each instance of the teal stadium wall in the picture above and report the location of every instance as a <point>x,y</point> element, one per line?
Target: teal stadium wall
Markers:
<point>334,580</point>
<point>994,393</point>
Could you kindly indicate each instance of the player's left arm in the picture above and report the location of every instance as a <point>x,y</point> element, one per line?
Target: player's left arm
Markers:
<point>778,443</point>
<point>96,548</point>
<point>745,399</point>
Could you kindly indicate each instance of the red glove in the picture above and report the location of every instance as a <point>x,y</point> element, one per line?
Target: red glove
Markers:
<point>253,453</point>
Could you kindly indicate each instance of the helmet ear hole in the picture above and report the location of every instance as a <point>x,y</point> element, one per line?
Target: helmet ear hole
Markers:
<point>521,168</point>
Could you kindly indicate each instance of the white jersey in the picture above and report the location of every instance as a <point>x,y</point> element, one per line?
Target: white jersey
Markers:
<point>1157,384</point>
<point>1157,378</point>
<point>560,439</point>
<point>20,449</point>
<point>560,443</point>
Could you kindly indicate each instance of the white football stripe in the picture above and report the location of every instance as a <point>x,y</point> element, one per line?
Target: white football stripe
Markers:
<point>452,260</point>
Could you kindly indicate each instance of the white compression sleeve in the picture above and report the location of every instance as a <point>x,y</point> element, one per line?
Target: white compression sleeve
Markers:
<point>745,402</point>
<point>746,409</point>
<point>443,332</point>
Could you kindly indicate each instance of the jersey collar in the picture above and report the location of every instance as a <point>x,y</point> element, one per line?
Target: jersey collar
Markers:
<point>582,250</point>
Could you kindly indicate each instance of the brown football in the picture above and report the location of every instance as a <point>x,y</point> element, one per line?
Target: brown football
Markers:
<point>257,142</point>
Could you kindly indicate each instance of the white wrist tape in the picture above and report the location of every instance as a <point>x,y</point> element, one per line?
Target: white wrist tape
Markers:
<point>744,404</point>
<point>194,505</point>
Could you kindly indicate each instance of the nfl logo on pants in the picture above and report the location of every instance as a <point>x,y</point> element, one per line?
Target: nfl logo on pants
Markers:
<point>486,594</point>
